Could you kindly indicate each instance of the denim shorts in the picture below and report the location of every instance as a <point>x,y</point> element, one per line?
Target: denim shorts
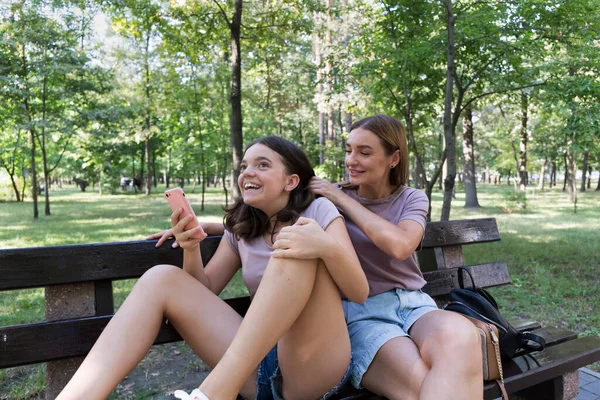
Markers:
<point>381,318</point>
<point>269,382</point>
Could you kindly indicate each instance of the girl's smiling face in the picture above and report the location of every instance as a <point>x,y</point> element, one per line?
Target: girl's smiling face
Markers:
<point>264,181</point>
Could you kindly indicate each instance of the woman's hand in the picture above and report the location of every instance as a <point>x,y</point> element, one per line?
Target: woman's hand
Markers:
<point>326,189</point>
<point>183,237</point>
<point>304,240</point>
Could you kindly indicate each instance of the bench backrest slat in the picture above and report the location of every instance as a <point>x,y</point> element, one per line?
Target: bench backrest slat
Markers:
<point>43,266</point>
<point>459,232</point>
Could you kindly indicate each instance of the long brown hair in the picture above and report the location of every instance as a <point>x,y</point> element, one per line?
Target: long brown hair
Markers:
<point>392,136</point>
<point>247,222</point>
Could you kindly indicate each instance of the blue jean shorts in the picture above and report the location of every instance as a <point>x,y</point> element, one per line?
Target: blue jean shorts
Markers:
<point>381,318</point>
<point>269,382</point>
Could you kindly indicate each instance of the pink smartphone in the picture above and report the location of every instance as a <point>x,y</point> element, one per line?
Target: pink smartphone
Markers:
<point>177,199</point>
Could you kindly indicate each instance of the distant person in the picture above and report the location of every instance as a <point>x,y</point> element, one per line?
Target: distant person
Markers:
<point>293,341</point>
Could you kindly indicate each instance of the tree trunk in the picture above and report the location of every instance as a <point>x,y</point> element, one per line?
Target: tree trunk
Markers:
<point>584,170</point>
<point>448,120</point>
<point>598,186</point>
<point>154,169</point>
<point>34,184</point>
<point>419,171</point>
<point>329,77</point>
<point>566,173</point>
<point>444,170</point>
<point>318,60</point>
<point>523,144</point>
<point>11,170</point>
<point>553,174</point>
<point>542,173</point>
<point>469,156</point>
<point>571,181</point>
<point>43,147</point>
<point>148,134</point>
<point>34,187</point>
<point>589,177</point>
<point>15,188</point>
<point>235,124</point>
<point>429,185</point>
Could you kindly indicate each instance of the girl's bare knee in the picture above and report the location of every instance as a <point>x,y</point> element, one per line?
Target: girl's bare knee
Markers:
<point>160,273</point>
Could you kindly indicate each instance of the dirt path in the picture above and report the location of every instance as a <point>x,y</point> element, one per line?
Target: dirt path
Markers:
<point>165,369</point>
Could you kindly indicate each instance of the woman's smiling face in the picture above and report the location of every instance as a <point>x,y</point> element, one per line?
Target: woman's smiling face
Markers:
<point>264,181</point>
<point>366,160</point>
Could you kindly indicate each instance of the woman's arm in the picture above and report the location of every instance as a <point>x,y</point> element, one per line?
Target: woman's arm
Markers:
<point>307,240</point>
<point>398,241</point>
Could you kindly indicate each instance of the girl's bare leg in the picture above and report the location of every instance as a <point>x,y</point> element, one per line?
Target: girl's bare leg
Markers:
<point>314,354</point>
<point>206,323</point>
<point>298,303</point>
<point>442,361</point>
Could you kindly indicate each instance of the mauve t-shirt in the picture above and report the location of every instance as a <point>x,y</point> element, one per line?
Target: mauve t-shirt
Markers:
<point>383,271</point>
<point>255,253</point>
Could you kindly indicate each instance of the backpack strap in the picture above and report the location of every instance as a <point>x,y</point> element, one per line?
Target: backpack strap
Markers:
<point>531,341</point>
<point>502,389</point>
<point>461,283</point>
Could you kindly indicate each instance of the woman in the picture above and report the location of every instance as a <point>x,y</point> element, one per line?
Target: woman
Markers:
<point>293,341</point>
<point>403,346</point>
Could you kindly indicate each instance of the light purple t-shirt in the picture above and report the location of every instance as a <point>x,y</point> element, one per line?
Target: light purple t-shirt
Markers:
<point>383,271</point>
<point>255,253</point>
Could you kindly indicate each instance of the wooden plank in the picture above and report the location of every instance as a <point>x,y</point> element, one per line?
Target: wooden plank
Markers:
<point>485,275</point>
<point>48,341</point>
<point>453,256</point>
<point>43,266</point>
<point>459,232</point>
<point>104,297</point>
<point>552,336</point>
<point>532,369</point>
<point>524,324</point>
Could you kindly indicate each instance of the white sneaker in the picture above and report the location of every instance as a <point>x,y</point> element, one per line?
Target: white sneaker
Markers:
<point>195,395</point>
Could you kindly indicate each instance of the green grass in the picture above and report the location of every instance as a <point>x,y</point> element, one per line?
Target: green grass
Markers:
<point>551,253</point>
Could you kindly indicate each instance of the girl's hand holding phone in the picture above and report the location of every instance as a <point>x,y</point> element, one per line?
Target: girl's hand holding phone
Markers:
<point>185,226</point>
<point>188,239</point>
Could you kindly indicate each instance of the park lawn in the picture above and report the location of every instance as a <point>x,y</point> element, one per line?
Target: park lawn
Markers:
<point>551,252</point>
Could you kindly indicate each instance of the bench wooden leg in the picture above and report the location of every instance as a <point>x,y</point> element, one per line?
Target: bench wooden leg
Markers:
<point>565,387</point>
<point>58,374</point>
<point>62,302</point>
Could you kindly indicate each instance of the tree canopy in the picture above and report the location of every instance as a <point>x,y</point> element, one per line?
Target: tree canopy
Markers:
<point>94,91</point>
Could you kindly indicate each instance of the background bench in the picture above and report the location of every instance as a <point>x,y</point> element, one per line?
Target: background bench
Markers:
<point>79,303</point>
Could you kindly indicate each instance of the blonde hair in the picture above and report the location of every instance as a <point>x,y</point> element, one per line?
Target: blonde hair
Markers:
<point>392,136</point>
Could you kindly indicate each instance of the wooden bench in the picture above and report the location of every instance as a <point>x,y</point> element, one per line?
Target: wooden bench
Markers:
<point>79,303</point>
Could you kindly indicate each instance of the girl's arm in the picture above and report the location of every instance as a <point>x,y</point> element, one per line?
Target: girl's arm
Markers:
<point>307,240</point>
<point>222,265</point>
<point>211,228</point>
<point>398,241</point>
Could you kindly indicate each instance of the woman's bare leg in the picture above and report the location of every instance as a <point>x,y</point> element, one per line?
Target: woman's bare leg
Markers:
<point>206,322</point>
<point>398,371</point>
<point>295,297</point>
<point>446,363</point>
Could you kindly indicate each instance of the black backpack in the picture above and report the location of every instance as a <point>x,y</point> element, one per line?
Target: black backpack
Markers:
<point>479,304</point>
